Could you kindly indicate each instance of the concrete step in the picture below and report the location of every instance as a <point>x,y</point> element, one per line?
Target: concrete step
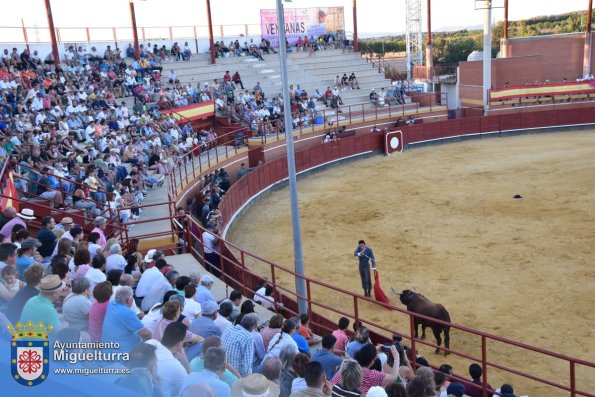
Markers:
<point>248,68</point>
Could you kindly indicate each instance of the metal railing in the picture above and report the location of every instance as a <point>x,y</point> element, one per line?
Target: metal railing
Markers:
<point>241,268</point>
<point>118,34</point>
<point>347,115</point>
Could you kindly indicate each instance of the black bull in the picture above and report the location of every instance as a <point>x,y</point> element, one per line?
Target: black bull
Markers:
<point>419,304</point>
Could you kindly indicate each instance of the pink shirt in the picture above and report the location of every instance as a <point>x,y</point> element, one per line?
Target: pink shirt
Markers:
<point>96,316</point>
<point>160,327</point>
<point>341,339</point>
<point>81,271</point>
<point>102,241</point>
<point>267,334</point>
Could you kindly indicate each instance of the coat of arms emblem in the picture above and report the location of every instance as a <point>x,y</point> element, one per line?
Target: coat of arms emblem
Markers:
<point>29,353</point>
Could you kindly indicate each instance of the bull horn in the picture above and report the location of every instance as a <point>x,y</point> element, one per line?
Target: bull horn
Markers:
<point>395,292</point>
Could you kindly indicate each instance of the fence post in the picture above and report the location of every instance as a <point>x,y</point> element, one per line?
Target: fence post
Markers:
<point>355,309</point>
<point>572,379</point>
<point>412,335</point>
<point>195,39</point>
<point>115,37</point>
<point>309,296</point>
<point>244,288</point>
<point>484,366</point>
<point>88,35</point>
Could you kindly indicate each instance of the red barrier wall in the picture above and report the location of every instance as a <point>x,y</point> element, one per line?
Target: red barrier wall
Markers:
<point>276,170</point>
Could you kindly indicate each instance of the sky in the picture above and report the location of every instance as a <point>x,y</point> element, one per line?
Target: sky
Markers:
<point>374,16</point>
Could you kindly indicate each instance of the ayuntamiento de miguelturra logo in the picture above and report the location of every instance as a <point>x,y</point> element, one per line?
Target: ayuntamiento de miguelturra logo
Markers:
<point>29,352</point>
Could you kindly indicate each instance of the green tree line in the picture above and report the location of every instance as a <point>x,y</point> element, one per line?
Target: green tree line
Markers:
<point>453,47</point>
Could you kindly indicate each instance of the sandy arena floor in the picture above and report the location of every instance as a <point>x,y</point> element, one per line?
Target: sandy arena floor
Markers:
<point>442,219</point>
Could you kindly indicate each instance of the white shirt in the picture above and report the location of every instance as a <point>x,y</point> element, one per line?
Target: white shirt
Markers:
<point>147,279</point>
<point>94,249</point>
<point>275,348</point>
<point>209,242</point>
<point>152,317</point>
<point>115,261</point>
<point>95,276</point>
<point>156,293</point>
<point>169,369</point>
<point>265,301</point>
<point>192,309</point>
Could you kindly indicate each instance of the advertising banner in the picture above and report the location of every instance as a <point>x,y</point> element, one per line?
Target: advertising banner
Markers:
<point>300,22</point>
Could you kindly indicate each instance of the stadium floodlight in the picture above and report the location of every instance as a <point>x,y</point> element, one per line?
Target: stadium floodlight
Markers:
<point>300,283</point>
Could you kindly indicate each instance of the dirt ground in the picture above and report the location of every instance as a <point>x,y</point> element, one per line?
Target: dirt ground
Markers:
<point>443,219</point>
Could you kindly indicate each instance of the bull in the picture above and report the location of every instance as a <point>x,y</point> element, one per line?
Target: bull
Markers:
<point>419,304</point>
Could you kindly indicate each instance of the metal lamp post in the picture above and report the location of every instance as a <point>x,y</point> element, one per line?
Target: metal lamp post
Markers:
<point>300,283</point>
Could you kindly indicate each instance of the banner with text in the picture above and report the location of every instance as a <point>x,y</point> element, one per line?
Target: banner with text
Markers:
<point>300,22</point>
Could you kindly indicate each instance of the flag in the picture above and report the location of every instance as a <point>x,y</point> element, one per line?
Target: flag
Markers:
<point>378,292</point>
<point>10,192</point>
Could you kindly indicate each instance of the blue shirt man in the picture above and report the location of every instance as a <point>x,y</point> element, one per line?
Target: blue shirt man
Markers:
<point>204,325</point>
<point>215,361</point>
<point>121,325</point>
<point>326,358</point>
<point>365,255</point>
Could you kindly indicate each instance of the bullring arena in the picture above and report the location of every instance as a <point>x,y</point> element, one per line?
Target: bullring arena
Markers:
<point>472,181</point>
<point>442,219</point>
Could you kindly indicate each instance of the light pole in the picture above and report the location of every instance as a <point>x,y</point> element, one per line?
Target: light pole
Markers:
<point>134,31</point>
<point>52,30</point>
<point>300,283</point>
<point>487,55</point>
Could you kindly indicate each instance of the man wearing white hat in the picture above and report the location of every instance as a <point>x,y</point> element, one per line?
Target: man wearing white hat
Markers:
<point>21,218</point>
<point>40,308</point>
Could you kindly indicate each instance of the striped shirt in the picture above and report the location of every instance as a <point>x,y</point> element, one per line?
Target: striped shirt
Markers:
<point>370,377</point>
<point>340,392</point>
